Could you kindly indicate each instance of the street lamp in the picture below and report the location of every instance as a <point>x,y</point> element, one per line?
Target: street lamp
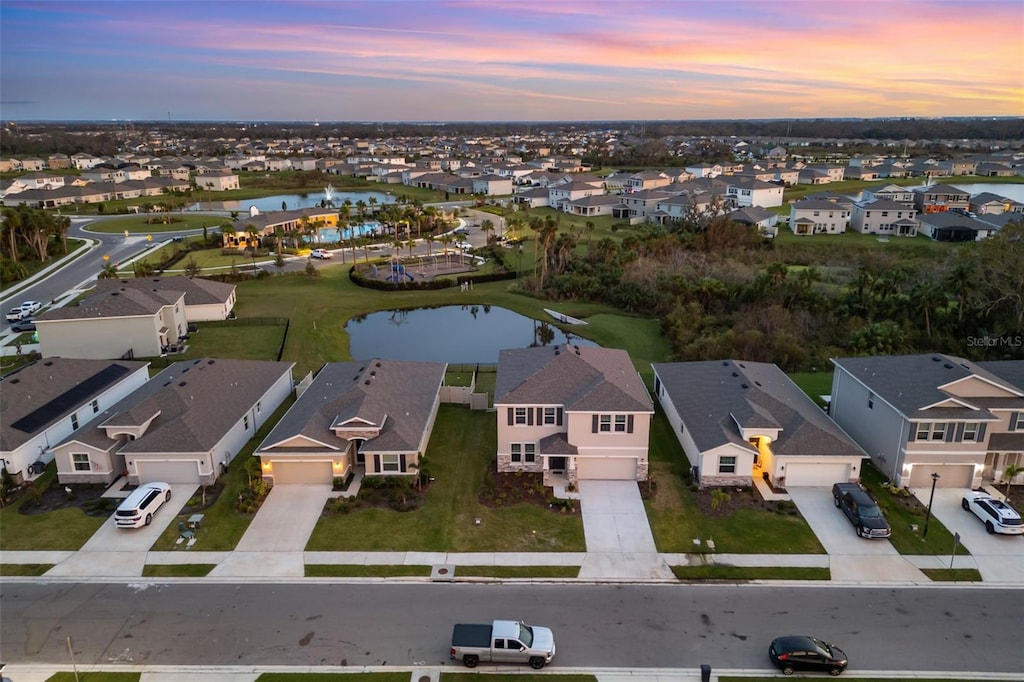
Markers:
<point>928,516</point>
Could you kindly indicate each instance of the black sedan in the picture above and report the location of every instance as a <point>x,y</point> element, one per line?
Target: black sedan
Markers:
<point>799,652</point>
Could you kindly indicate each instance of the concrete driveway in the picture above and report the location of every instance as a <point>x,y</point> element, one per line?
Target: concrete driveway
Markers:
<point>618,535</point>
<point>1000,558</point>
<point>113,551</point>
<point>851,558</point>
<point>276,539</point>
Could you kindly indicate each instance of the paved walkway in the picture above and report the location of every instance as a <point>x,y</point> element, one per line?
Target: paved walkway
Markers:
<point>619,539</point>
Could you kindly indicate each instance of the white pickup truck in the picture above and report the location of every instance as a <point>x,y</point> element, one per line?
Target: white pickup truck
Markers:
<point>503,641</point>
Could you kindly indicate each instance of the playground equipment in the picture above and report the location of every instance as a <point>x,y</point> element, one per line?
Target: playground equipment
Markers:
<point>398,271</point>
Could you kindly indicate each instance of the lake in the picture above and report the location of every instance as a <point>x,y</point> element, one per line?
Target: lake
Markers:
<point>455,334</point>
<point>297,201</point>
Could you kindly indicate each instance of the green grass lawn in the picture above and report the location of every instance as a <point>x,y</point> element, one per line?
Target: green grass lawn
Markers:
<point>744,573</point>
<point>366,571</point>
<point>397,676</point>
<point>814,384</point>
<point>461,448</point>
<point>62,529</point>
<point>518,677</point>
<point>24,569</point>
<point>517,571</point>
<point>97,676</point>
<point>904,538</point>
<point>676,519</point>
<point>137,224</point>
<point>176,570</point>
<point>247,342</point>
<point>953,574</point>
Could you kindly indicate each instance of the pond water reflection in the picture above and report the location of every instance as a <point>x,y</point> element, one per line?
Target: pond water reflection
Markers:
<point>456,334</point>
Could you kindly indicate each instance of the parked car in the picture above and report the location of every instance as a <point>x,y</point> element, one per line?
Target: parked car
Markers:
<point>463,245</point>
<point>29,307</point>
<point>861,510</point>
<point>799,652</point>
<point>14,314</point>
<point>25,324</point>
<point>320,253</point>
<point>997,516</point>
<point>502,641</point>
<point>138,508</point>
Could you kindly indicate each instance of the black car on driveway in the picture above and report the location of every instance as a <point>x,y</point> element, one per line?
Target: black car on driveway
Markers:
<point>799,652</point>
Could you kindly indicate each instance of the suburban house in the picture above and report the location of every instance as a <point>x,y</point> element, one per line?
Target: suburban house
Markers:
<point>755,216</point>
<point>739,421</point>
<point>371,416</point>
<point>896,193</point>
<point>953,226</point>
<point>46,401</point>
<point>749,192</point>
<point>217,181</point>
<point>572,413</point>
<point>918,415</point>
<point>183,426</point>
<point>940,198</point>
<point>205,299</point>
<point>987,202</point>
<point>114,322</point>
<point>884,217</point>
<point>818,216</point>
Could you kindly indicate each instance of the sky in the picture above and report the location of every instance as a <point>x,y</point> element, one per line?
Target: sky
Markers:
<point>493,60</point>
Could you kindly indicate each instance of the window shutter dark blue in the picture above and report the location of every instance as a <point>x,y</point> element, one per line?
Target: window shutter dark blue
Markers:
<point>959,432</point>
<point>1014,417</point>
<point>376,464</point>
<point>529,417</point>
<point>593,424</point>
<point>540,416</point>
<point>511,416</point>
<point>558,416</point>
<point>401,463</point>
<point>629,423</point>
<point>981,432</point>
<point>950,428</point>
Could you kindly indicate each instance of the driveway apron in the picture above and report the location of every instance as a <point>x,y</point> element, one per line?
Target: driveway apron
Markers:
<point>851,558</point>
<point>275,541</point>
<point>618,535</point>
<point>999,558</point>
<point>121,552</point>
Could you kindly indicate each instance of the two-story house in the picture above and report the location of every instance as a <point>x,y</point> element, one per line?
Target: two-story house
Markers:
<point>888,192</point>
<point>940,198</point>
<point>573,413</point>
<point>818,216</point>
<point>918,415</point>
<point>884,217</point>
<point>750,192</point>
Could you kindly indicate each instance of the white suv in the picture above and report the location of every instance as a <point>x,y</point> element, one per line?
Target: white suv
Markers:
<point>138,508</point>
<point>997,516</point>
<point>320,253</point>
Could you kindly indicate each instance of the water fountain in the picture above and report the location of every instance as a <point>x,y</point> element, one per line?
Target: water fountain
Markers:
<point>329,194</point>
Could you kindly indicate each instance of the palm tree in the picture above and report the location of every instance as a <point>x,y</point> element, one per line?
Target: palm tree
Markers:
<point>109,271</point>
<point>1009,473</point>
<point>446,239</point>
<point>928,296</point>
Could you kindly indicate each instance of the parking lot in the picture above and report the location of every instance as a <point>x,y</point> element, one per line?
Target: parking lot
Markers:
<point>999,557</point>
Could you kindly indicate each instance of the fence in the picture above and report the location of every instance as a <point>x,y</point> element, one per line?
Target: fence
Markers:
<point>249,322</point>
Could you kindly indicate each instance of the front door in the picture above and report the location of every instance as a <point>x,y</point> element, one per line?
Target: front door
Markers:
<point>557,465</point>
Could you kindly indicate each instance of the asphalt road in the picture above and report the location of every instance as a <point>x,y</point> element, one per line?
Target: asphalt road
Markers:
<point>629,626</point>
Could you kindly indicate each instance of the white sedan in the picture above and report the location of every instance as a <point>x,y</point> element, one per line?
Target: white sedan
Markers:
<point>997,516</point>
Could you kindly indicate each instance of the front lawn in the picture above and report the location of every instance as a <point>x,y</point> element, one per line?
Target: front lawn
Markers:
<point>904,513</point>
<point>676,520</point>
<point>461,450</point>
<point>60,529</point>
<point>746,573</point>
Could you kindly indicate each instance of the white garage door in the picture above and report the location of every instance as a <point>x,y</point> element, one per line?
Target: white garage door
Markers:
<point>606,468</point>
<point>168,472</point>
<point>820,473</point>
<point>302,472</point>
<point>950,475</point>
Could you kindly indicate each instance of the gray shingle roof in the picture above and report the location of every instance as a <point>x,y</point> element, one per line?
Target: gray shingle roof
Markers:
<point>194,402</point>
<point>911,382</point>
<point>198,291</point>
<point>580,378</point>
<point>115,302</point>
<point>35,385</point>
<point>395,395</point>
<point>713,397</point>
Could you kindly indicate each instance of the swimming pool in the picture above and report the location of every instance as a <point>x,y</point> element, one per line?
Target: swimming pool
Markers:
<point>327,235</point>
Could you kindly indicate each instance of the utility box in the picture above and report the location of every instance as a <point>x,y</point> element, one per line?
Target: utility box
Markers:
<point>705,672</point>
